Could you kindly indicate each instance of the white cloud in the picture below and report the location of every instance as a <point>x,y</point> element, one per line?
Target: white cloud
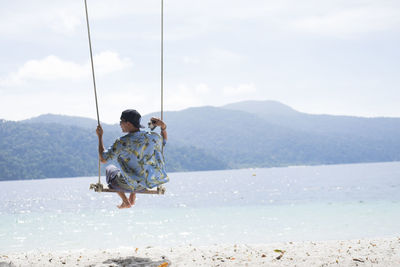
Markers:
<point>225,55</point>
<point>186,19</point>
<point>27,17</point>
<point>103,9</point>
<point>227,51</point>
<point>66,23</point>
<point>191,60</point>
<point>52,68</point>
<point>202,88</point>
<point>114,102</point>
<point>242,90</point>
<point>349,21</point>
<point>339,18</point>
<point>214,58</point>
<point>184,96</point>
<point>108,61</point>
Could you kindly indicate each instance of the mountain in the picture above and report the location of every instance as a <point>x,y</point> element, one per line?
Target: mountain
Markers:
<point>41,150</point>
<point>280,114</point>
<point>244,134</point>
<point>243,139</point>
<point>264,109</point>
<point>71,121</point>
<point>45,150</point>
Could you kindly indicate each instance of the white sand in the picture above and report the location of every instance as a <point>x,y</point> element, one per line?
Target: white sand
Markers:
<point>366,252</point>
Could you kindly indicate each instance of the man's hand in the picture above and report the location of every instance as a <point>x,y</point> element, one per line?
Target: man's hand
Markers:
<point>159,123</point>
<point>99,131</point>
<point>163,127</point>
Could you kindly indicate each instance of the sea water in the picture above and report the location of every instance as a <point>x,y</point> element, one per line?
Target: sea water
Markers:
<point>202,208</point>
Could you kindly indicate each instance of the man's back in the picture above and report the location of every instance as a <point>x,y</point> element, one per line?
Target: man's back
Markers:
<point>139,155</point>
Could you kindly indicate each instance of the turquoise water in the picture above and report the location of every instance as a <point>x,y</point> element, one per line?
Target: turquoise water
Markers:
<point>201,208</point>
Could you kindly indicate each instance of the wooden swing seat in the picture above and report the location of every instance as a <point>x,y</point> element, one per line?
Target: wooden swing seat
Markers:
<point>100,188</point>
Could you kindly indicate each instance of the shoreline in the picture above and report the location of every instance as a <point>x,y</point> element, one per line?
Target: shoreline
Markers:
<point>357,252</point>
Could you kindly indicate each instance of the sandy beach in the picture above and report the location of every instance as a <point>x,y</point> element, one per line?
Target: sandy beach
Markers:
<point>364,252</point>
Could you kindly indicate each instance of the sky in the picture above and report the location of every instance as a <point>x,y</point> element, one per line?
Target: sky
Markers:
<point>337,57</point>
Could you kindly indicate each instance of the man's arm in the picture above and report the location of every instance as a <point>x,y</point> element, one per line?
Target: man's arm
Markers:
<point>99,132</point>
<point>162,126</point>
<point>164,133</point>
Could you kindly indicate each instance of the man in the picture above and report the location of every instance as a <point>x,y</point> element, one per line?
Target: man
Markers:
<point>139,154</point>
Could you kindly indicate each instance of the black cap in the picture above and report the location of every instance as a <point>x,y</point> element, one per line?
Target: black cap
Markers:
<point>132,116</point>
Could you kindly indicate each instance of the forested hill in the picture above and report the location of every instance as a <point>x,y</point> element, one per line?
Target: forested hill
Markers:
<point>245,134</point>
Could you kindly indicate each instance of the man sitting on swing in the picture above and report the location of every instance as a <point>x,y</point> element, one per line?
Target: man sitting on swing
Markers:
<point>139,154</point>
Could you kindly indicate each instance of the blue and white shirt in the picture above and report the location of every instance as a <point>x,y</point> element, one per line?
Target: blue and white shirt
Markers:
<point>140,157</point>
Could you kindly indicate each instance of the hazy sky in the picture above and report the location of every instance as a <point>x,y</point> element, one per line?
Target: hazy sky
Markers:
<point>332,57</point>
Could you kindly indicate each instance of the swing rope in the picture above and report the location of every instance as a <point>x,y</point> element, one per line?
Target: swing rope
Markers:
<point>99,187</point>
<point>93,76</point>
<point>162,59</point>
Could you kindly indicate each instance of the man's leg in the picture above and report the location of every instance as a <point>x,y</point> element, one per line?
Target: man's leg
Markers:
<point>132,198</point>
<point>112,175</point>
<point>125,202</point>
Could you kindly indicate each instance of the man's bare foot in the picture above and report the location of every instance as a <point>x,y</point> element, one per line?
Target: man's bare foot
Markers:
<point>132,198</point>
<point>124,205</point>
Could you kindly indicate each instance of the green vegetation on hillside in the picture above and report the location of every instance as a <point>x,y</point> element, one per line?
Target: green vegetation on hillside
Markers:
<point>249,134</point>
<point>43,150</point>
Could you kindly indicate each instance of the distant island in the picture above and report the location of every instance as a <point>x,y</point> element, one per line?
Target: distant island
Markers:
<point>238,135</point>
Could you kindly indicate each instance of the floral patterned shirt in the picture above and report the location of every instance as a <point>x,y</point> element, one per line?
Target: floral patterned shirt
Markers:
<point>140,157</point>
